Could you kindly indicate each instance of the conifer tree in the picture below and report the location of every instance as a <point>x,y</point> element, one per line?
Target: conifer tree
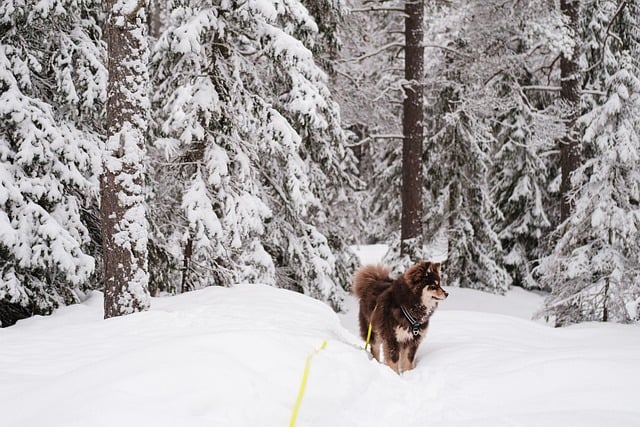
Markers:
<point>458,168</point>
<point>247,123</point>
<point>519,180</point>
<point>593,270</point>
<point>478,71</point>
<point>52,92</point>
<point>526,127</point>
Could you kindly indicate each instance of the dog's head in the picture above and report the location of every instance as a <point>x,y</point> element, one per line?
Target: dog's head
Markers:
<point>424,280</point>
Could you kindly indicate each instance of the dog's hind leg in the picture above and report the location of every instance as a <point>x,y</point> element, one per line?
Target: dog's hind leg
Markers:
<point>375,348</point>
<point>364,324</point>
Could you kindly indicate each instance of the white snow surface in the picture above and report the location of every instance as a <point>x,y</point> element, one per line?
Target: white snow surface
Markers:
<point>235,357</point>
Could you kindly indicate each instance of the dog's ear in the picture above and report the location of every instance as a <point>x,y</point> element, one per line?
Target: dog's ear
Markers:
<point>417,272</point>
<point>420,270</point>
<point>435,267</point>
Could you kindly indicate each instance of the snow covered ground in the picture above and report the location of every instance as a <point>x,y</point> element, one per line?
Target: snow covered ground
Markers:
<point>234,357</point>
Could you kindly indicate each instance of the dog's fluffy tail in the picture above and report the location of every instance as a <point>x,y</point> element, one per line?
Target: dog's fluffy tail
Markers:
<point>367,275</point>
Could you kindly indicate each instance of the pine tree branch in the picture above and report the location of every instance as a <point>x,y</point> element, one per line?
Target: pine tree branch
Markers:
<point>542,88</point>
<point>593,92</point>
<point>348,77</point>
<point>558,88</point>
<point>374,137</point>
<point>448,49</point>
<point>387,136</point>
<point>378,9</point>
<point>621,6</point>
<point>402,45</point>
<point>551,67</point>
<point>376,52</point>
<point>276,188</point>
<point>494,75</point>
<point>388,89</point>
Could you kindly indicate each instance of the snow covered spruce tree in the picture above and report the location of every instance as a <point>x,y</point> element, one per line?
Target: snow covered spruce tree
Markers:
<point>594,269</point>
<point>52,92</point>
<point>250,142</point>
<point>524,169</point>
<point>490,124</point>
<point>458,176</point>
<point>473,66</point>
<point>519,183</point>
<point>124,226</point>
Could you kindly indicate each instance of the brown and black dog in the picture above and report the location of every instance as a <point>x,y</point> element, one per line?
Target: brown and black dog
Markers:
<point>399,310</point>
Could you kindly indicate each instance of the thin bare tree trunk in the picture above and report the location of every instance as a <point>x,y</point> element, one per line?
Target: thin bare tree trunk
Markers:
<point>186,261</point>
<point>570,148</point>
<point>412,128</point>
<point>124,228</point>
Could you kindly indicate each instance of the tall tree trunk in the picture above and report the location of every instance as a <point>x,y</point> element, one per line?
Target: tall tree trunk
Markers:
<point>570,94</point>
<point>412,129</point>
<point>157,16</point>
<point>124,227</point>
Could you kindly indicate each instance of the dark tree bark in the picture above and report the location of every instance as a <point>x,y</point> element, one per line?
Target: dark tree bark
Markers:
<point>157,16</point>
<point>570,148</point>
<point>124,230</point>
<point>412,128</point>
<point>186,261</point>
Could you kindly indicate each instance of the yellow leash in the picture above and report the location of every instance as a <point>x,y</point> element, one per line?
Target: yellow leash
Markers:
<point>366,344</point>
<point>303,384</point>
<point>305,374</point>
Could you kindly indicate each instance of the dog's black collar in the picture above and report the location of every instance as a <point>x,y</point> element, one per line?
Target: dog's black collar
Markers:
<point>415,325</point>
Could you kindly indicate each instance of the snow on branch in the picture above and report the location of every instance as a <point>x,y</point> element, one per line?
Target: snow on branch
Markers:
<point>448,49</point>
<point>391,45</point>
<point>608,33</point>
<point>374,137</point>
<point>558,88</point>
<point>379,9</point>
<point>376,52</point>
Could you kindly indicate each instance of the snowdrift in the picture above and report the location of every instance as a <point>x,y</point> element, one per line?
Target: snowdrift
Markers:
<point>235,357</point>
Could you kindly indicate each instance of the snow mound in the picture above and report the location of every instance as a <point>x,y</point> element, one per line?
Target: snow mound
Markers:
<point>235,357</point>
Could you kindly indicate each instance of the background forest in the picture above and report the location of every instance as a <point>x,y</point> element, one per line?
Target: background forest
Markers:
<point>255,141</point>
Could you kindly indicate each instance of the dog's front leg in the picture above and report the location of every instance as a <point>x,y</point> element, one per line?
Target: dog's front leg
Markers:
<point>407,356</point>
<point>392,355</point>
